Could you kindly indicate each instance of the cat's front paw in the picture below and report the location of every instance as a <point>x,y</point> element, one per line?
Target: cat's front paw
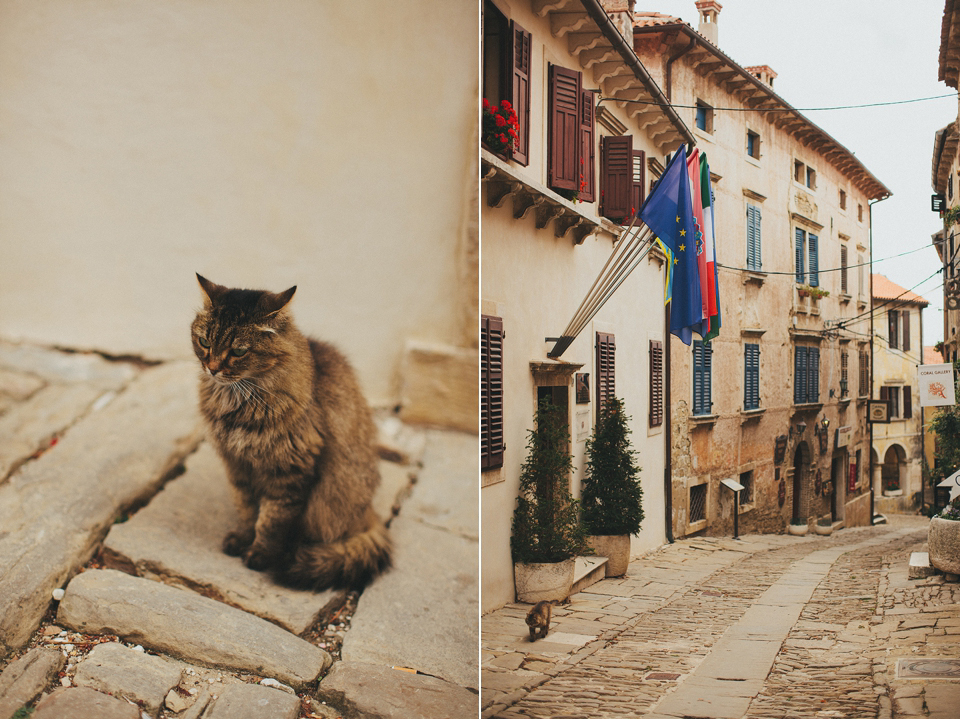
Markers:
<point>236,544</point>
<point>258,559</point>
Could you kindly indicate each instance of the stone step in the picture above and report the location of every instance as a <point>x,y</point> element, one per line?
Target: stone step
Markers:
<point>187,626</point>
<point>588,571</point>
<point>920,566</point>
<point>55,510</point>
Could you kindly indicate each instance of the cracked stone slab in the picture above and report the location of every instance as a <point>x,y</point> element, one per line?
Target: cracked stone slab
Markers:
<point>251,701</point>
<point>25,679</point>
<point>56,509</point>
<point>59,366</point>
<point>83,703</point>
<point>379,692</point>
<point>423,614</point>
<point>445,494</point>
<point>177,539</point>
<point>188,626</point>
<point>114,669</point>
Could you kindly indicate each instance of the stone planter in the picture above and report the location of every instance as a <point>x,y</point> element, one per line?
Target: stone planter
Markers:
<point>943,545</point>
<point>797,530</point>
<point>550,581</point>
<point>616,548</point>
<point>824,530</point>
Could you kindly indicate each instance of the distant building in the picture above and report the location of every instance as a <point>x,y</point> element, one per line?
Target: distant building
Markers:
<point>897,445</point>
<point>778,400</point>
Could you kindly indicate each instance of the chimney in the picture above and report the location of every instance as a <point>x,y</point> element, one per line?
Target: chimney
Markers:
<point>621,13</point>
<point>709,10</point>
<point>764,73</point>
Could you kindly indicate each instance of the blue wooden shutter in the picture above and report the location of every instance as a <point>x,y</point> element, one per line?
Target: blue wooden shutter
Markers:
<point>751,376</point>
<point>813,374</point>
<point>753,238</point>
<point>701,377</point>
<point>814,264</point>
<point>799,375</point>
<point>798,255</point>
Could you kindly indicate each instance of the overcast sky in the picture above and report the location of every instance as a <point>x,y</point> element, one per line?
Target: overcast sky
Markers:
<point>849,52</point>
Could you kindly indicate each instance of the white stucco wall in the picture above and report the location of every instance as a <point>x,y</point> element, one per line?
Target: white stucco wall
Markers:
<point>263,143</point>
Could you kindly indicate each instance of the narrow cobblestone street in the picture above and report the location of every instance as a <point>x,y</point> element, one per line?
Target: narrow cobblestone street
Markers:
<point>762,627</point>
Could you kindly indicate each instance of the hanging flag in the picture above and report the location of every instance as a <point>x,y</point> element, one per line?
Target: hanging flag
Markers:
<point>693,168</point>
<point>668,212</point>
<point>668,274</point>
<point>712,305</point>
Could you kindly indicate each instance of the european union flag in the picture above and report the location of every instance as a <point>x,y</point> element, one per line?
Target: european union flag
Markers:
<point>668,212</point>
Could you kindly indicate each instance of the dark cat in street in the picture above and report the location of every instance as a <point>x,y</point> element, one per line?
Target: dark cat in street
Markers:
<point>287,417</point>
<point>538,619</point>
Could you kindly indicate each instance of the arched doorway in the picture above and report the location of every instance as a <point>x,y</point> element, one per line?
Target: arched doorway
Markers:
<point>801,461</point>
<point>892,471</point>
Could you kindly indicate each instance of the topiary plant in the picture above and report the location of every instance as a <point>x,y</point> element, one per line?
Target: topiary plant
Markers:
<point>611,496</point>
<point>546,525</point>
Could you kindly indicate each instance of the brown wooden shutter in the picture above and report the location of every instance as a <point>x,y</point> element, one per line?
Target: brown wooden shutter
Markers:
<point>907,402</point>
<point>588,158</point>
<point>905,340</point>
<point>616,177</point>
<point>893,325</point>
<point>520,61</point>
<point>656,383</point>
<point>606,351</point>
<point>491,392</point>
<point>639,180</point>
<point>563,129</point>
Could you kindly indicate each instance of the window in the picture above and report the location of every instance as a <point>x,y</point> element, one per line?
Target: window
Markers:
<point>656,383</point>
<point>806,249</point>
<point>844,374</point>
<point>891,395</point>
<point>799,171</point>
<point>898,329</point>
<point>806,375</point>
<point>622,178</point>
<point>746,494</point>
<point>753,239</point>
<point>864,372</point>
<point>753,145</point>
<point>950,188</point>
<point>698,503</point>
<point>843,200</point>
<point>704,117</point>
<point>506,71</point>
<point>491,392</point>
<point>702,377</point>
<point>811,178</point>
<point>859,213</point>
<point>606,366</point>
<point>751,376</point>
<point>843,269</point>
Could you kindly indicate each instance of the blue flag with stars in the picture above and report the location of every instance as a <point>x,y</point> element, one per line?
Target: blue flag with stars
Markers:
<point>668,212</point>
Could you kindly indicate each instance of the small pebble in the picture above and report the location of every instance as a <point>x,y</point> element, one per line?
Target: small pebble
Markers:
<point>65,681</point>
<point>58,594</point>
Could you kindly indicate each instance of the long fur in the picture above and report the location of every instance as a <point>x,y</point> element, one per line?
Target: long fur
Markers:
<point>288,418</point>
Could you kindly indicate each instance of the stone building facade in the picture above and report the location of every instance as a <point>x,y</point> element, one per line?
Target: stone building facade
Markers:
<point>778,401</point>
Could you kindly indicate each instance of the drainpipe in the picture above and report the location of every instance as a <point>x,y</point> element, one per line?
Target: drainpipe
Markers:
<point>872,313</point>
<point>668,430</point>
<point>676,56</point>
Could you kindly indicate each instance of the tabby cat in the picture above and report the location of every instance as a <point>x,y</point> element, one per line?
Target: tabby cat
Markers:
<point>287,416</point>
<point>538,620</point>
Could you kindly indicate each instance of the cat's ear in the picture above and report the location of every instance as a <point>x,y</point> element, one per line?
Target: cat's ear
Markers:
<point>211,290</point>
<point>271,303</point>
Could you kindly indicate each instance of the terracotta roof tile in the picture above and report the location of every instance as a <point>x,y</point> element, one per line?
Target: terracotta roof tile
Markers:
<point>649,19</point>
<point>884,289</point>
<point>931,356</point>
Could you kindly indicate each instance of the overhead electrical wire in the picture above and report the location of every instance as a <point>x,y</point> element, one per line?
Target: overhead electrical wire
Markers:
<point>832,269</point>
<point>781,109</point>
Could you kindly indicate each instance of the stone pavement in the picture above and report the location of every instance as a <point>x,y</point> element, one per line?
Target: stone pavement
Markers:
<point>761,627</point>
<point>115,600</point>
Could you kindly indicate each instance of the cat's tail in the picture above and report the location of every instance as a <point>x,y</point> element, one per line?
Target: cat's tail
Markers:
<point>349,563</point>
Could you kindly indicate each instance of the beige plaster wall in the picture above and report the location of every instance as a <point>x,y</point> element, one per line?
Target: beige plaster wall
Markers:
<point>263,143</point>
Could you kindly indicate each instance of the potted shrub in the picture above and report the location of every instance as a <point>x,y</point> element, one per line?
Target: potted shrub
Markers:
<point>546,532</point>
<point>611,496</point>
<point>797,527</point>
<point>943,539</point>
<point>824,526</point>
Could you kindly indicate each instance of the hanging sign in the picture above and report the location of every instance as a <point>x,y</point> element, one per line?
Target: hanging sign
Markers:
<point>935,383</point>
<point>844,435</point>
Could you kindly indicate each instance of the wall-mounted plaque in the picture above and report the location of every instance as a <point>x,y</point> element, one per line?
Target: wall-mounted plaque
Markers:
<point>780,449</point>
<point>878,411</point>
<point>583,387</point>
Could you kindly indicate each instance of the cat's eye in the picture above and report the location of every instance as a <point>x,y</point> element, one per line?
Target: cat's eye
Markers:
<point>203,342</point>
<point>238,351</point>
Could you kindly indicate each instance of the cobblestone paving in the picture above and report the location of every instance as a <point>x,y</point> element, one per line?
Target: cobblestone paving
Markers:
<point>839,659</point>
